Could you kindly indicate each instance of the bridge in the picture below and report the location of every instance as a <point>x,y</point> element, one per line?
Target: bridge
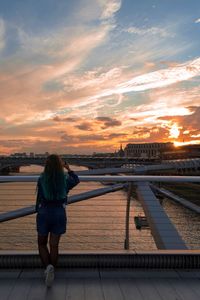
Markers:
<point>170,272</point>
<point>13,164</point>
<point>10,163</point>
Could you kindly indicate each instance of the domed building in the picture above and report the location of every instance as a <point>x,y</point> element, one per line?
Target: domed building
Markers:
<point>121,152</point>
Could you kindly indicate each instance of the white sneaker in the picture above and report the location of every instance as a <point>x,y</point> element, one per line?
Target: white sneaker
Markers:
<point>49,275</point>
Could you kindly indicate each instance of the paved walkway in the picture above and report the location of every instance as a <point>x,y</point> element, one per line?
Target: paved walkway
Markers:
<point>94,284</point>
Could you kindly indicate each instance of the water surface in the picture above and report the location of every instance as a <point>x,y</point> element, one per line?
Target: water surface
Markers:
<point>94,224</point>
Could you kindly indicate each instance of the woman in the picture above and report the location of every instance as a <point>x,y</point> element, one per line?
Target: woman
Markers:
<point>53,186</point>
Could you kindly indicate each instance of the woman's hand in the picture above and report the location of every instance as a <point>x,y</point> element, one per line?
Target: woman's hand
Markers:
<point>66,166</point>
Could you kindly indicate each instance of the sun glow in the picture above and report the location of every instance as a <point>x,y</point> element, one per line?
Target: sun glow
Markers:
<point>174,131</point>
<point>195,142</point>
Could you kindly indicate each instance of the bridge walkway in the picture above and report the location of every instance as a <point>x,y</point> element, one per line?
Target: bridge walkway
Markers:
<point>129,276</point>
<point>101,284</point>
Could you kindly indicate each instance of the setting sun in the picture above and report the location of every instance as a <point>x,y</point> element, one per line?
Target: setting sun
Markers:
<point>174,131</point>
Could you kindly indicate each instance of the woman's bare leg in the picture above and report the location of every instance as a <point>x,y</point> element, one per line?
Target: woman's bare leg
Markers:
<point>53,243</point>
<point>43,250</point>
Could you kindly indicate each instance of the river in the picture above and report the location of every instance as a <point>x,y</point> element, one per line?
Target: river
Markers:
<point>94,224</point>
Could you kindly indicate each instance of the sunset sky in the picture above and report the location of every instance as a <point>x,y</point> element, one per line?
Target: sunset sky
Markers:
<point>86,75</point>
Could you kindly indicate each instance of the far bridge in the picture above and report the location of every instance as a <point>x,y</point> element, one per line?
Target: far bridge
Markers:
<point>13,164</point>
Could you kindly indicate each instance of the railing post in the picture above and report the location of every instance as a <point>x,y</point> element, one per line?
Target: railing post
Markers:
<point>126,241</point>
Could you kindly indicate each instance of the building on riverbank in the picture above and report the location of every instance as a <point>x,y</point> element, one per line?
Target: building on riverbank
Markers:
<point>147,150</point>
<point>186,151</point>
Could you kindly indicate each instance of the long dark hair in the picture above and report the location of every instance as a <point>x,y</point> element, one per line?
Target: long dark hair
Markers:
<point>53,178</point>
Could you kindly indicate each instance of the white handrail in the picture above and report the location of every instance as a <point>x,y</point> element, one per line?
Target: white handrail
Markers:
<point>107,178</point>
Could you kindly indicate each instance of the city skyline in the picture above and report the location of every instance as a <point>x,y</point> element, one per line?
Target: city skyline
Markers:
<point>86,76</point>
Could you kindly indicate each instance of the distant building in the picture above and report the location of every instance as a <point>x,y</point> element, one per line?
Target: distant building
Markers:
<point>42,155</point>
<point>185,151</point>
<point>121,152</point>
<point>19,154</point>
<point>147,150</point>
<point>192,150</point>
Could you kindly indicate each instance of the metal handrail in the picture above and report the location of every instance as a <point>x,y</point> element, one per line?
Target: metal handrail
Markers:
<point>29,210</point>
<point>107,178</point>
<point>137,179</point>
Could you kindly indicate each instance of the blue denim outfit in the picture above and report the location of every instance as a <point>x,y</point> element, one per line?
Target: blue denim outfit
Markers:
<point>51,215</point>
<point>51,219</point>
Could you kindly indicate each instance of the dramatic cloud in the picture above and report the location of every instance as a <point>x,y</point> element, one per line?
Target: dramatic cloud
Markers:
<point>191,119</point>
<point>82,138</point>
<point>152,80</point>
<point>188,126</point>
<point>110,8</point>
<point>84,126</point>
<point>67,119</point>
<point>117,135</point>
<point>152,30</point>
<point>162,77</point>
<point>108,122</point>
<point>89,75</point>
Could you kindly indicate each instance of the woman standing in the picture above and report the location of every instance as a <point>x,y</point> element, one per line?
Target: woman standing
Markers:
<point>53,186</point>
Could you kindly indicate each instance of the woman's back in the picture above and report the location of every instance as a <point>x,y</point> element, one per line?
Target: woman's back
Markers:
<point>53,179</point>
<point>54,187</point>
<point>53,183</point>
